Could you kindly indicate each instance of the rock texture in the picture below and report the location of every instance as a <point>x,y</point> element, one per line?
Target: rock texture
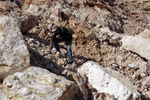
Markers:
<point>134,43</point>
<point>38,84</point>
<point>13,51</point>
<point>109,81</point>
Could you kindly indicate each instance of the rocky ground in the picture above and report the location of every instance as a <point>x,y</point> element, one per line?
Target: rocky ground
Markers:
<point>113,33</point>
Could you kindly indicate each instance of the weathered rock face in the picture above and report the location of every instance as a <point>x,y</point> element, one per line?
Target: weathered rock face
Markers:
<point>13,51</point>
<point>137,44</point>
<point>39,84</point>
<point>108,81</point>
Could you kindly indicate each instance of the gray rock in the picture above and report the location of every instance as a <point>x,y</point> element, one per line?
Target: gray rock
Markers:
<point>49,66</point>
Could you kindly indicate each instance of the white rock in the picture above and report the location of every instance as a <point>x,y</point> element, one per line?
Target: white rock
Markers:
<point>38,84</point>
<point>134,66</point>
<point>33,9</point>
<point>108,81</point>
<point>2,96</point>
<point>105,30</point>
<point>13,51</point>
<point>137,44</point>
<point>114,38</point>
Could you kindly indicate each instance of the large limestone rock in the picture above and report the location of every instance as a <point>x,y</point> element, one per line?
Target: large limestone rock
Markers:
<point>14,54</point>
<point>106,80</point>
<point>138,44</point>
<point>38,84</point>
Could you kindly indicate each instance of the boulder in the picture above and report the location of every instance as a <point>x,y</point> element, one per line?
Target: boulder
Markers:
<point>106,80</point>
<point>28,21</point>
<point>38,84</point>
<point>14,55</point>
<point>137,44</point>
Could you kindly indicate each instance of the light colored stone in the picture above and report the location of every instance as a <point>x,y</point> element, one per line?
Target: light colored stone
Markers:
<point>2,96</point>
<point>113,37</point>
<point>145,33</point>
<point>137,44</point>
<point>133,66</point>
<point>106,80</point>
<point>38,84</point>
<point>14,54</point>
<point>33,9</point>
